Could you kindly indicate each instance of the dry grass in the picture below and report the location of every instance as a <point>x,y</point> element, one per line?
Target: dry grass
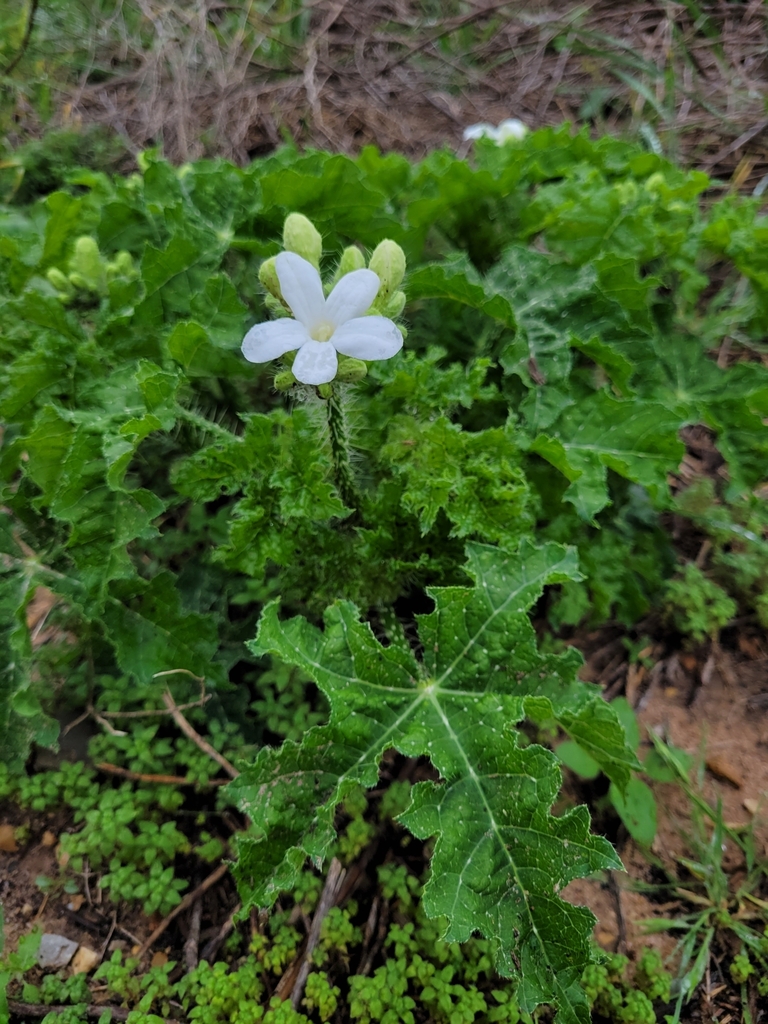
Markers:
<point>207,77</point>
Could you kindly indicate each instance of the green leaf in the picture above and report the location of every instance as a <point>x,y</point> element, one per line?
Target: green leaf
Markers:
<point>22,720</point>
<point>638,440</point>
<point>577,760</point>
<point>475,478</point>
<point>65,461</point>
<point>636,807</point>
<point>500,857</point>
<point>152,633</point>
<point>190,344</point>
<point>616,365</point>
<point>457,279</point>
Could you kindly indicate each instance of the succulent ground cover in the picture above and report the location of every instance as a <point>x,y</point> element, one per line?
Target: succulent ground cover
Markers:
<point>327,632</point>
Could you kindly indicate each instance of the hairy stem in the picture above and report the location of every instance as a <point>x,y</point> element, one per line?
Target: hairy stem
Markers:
<point>188,416</point>
<point>342,467</point>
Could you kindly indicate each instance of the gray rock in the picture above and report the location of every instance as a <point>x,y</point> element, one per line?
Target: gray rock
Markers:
<point>55,951</point>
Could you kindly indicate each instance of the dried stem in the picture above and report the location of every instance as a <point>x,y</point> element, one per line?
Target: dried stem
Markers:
<point>196,738</point>
<point>190,899</point>
<point>328,897</point>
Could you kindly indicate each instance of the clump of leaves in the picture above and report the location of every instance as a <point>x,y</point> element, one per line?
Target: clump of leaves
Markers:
<point>698,607</point>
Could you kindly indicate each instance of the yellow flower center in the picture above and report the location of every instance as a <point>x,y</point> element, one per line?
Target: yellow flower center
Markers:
<point>322,331</point>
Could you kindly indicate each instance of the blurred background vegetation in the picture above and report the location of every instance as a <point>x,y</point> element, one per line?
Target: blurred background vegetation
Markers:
<point>235,78</point>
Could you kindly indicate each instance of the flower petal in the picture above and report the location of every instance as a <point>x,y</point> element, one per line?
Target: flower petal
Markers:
<point>301,287</point>
<point>512,128</point>
<point>351,297</point>
<point>479,131</point>
<point>272,339</point>
<point>368,337</point>
<point>315,362</point>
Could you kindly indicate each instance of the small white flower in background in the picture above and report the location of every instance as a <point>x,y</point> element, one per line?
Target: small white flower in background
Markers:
<point>479,131</point>
<point>322,327</point>
<point>510,129</point>
<point>506,131</point>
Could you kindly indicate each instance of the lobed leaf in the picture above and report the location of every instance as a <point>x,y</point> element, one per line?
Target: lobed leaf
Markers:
<point>501,857</point>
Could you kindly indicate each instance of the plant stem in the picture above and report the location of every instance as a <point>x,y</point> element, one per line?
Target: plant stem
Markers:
<point>342,467</point>
<point>188,416</point>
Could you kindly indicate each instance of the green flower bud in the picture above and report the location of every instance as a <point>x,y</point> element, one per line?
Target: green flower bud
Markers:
<point>87,263</point>
<point>275,306</point>
<point>124,263</point>
<point>268,278</point>
<point>59,281</point>
<point>325,390</point>
<point>302,237</point>
<point>394,305</point>
<point>388,262</point>
<point>284,380</point>
<point>351,259</point>
<point>351,370</point>
<point>287,358</point>
<point>78,281</point>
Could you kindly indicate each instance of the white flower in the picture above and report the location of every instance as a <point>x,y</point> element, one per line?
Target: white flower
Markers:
<point>479,131</point>
<point>322,327</point>
<point>507,130</point>
<point>510,129</point>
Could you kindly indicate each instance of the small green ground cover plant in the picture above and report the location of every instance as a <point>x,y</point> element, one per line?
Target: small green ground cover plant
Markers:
<point>345,549</point>
<point>422,977</point>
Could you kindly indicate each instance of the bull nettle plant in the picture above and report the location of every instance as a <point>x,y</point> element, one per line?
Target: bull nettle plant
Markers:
<point>501,857</point>
<point>566,303</point>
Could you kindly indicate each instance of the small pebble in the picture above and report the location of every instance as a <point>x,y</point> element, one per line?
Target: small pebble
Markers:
<point>55,951</point>
<point>8,842</point>
<point>85,960</point>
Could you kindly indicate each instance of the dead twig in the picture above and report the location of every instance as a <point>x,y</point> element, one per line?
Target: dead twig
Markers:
<point>333,883</point>
<point>211,948</point>
<point>39,1010</point>
<point>170,780</point>
<point>188,901</point>
<point>742,140</point>
<point>193,939</point>
<point>196,738</point>
<point>621,924</point>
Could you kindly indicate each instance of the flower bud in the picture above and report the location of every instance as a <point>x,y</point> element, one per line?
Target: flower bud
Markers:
<point>325,390</point>
<point>351,259</point>
<point>268,278</point>
<point>388,263</point>
<point>86,263</point>
<point>394,305</point>
<point>284,380</point>
<point>302,237</point>
<point>59,281</point>
<point>350,370</point>
<point>78,281</point>
<point>121,266</point>
<point>275,307</point>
